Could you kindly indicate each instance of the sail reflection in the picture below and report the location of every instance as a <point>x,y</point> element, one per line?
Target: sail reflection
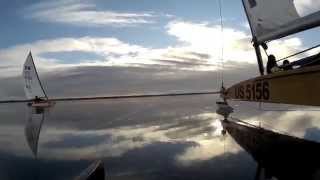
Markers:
<point>35,119</point>
<point>93,172</point>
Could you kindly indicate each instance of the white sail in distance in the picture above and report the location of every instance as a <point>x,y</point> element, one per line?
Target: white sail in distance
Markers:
<point>32,84</point>
<point>274,19</point>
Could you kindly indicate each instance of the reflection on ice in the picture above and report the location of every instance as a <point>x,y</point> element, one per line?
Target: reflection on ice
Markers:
<point>35,119</point>
<point>277,155</point>
<point>178,136</point>
<point>94,172</point>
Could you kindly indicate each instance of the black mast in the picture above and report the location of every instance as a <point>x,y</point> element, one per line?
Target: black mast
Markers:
<point>256,46</point>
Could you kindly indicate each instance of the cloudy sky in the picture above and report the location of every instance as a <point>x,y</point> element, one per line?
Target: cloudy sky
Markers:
<point>167,36</point>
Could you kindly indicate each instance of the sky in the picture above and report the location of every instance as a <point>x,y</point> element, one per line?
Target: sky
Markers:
<point>169,36</point>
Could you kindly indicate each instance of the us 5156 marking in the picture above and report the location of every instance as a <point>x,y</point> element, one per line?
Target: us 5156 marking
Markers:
<point>258,90</point>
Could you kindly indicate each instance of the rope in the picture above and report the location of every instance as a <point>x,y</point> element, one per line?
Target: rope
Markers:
<point>265,52</point>
<point>314,47</point>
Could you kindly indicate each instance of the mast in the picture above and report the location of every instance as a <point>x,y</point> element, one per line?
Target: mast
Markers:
<point>35,69</point>
<point>256,45</point>
<point>258,54</point>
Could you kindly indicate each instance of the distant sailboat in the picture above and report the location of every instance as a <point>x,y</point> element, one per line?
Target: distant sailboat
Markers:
<point>270,20</point>
<point>32,85</point>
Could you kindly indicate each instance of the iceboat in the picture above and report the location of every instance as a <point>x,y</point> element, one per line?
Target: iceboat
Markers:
<point>33,87</point>
<point>271,20</point>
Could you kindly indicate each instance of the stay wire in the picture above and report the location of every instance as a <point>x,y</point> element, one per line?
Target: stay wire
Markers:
<point>222,40</point>
<point>300,52</point>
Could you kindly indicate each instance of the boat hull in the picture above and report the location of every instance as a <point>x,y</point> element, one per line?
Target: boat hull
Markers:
<point>299,86</point>
<point>41,104</point>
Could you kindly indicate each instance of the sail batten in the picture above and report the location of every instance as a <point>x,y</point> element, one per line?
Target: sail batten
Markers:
<point>274,19</point>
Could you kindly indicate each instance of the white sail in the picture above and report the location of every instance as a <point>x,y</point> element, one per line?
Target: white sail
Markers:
<point>32,84</point>
<point>273,19</point>
<point>32,130</point>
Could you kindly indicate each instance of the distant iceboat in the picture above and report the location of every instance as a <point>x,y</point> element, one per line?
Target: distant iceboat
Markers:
<point>32,85</point>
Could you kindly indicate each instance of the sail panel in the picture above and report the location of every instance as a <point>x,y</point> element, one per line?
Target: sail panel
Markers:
<point>299,25</point>
<point>32,84</point>
<point>273,19</point>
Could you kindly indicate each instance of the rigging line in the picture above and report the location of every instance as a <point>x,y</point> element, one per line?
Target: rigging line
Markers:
<point>300,52</point>
<point>35,69</point>
<point>222,39</point>
<point>265,51</point>
<point>134,96</point>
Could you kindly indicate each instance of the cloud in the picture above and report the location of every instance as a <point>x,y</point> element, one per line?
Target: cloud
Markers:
<point>306,7</point>
<point>13,57</point>
<point>208,39</point>
<point>84,13</point>
<point>197,48</point>
<point>110,52</point>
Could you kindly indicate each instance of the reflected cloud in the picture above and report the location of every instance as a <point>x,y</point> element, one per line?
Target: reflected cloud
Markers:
<point>183,132</point>
<point>292,122</point>
<point>208,147</point>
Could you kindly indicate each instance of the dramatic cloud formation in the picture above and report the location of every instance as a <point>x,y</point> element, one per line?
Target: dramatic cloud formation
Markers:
<point>197,47</point>
<point>84,13</point>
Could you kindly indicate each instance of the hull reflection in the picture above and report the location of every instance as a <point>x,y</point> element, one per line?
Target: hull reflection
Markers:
<point>278,156</point>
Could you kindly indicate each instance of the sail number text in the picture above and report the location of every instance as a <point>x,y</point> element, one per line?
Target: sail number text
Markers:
<point>258,90</point>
